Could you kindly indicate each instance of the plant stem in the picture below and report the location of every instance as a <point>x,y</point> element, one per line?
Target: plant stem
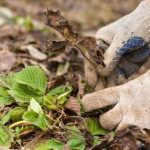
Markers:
<point>57,120</point>
<point>18,123</point>
<point>103,79</point>
<point>85,56</point>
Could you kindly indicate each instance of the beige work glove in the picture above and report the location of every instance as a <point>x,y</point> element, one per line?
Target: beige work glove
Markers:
<point>126,46</point>
<point>132,103</point>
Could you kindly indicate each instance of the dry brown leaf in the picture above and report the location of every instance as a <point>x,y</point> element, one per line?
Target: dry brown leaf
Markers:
<point>142,135</point>
<point>88,136</point>
<point>55,82</point>
<point>75,119</point>
<point>61,24</point>
<point>56,47</point>
<point>76,82</point>
<point>7,60</point>
<point>34,52</point>
<point>58,22</point>
<point>9,31</point>
<point>105,144</point>
<point>131,138</point>
<point>95,53</point>
<point>73,105</point>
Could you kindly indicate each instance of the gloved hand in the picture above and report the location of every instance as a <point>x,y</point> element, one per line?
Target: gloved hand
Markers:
<point>132,103</point>
<point>126,46</point>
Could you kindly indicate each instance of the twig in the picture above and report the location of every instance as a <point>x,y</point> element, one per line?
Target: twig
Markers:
<point>43,133</point>
<point>57,120</point>
<point>13,144</point>
<point>27,132</point>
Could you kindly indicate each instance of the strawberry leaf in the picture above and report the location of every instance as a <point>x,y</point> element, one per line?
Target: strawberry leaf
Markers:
<point>33,77</point>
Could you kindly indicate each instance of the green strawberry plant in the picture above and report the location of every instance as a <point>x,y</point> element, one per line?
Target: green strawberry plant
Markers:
<point>27,106</point>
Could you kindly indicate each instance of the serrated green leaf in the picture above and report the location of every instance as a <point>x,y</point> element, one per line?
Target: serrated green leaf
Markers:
<point>57,90</point>
<point>53,107</point>
<point>35,106</point>
<point>5,136</point>
<point>61,91</point>
<point>76,144</point>
<point>37,119</point>
<point>5,117</point>
<point>94,126</point>
<point>23,93</point>
<point>5,98</point>
<point>50,99</point>
<point>54,144</point>
<point>62,100</point>
<point>68,91</point>
<point>34,77</point>
<point>74,133</point>
<point>49,102</point>
<point>16,113</point>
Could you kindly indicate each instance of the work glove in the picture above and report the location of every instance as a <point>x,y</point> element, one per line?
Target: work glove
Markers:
<point>126,48</point>
<point>132,104</point>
